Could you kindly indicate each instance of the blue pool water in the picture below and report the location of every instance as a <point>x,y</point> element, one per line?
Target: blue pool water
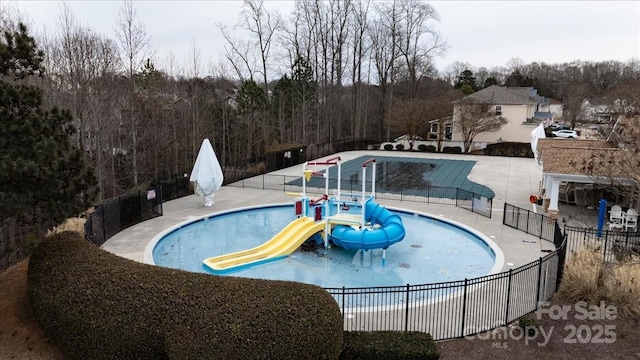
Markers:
<point>432,251</point>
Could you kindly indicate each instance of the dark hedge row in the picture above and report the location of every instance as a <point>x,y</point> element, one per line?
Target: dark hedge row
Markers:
<point>96,305</point>
<point>509,149</point>
<point>389,345</point>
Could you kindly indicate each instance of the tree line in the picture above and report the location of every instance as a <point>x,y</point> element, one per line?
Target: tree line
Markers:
<point>331,70</point>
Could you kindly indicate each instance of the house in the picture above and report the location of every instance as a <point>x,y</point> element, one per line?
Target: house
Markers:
<point>440,129</point>
<point>596,110</point>
<point>521,106</point>
<point>604,110</point>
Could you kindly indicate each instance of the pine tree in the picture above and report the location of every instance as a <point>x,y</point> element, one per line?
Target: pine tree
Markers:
<point>43,176</point>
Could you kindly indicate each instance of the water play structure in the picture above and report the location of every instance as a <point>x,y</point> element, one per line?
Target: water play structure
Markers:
<point>347,220</point>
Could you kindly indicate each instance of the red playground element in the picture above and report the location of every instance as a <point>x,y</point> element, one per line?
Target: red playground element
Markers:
<point>318,216</point>
<point>314,201</point>
<point>298,208</point>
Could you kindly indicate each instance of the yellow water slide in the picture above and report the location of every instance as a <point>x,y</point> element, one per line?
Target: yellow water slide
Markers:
<point>281,245</point>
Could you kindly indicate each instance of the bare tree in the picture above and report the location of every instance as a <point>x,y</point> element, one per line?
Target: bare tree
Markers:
<point>618,168</point>
<point>82,65</point>
<point>262,25</point>
<point>576,94</point>
<point>409,118</point>
<point>419,41</point>
<point>452,71</point>
<point>472,118</point>
<point>384,37</point>
<point>360,47</point>
<point>135,45</point>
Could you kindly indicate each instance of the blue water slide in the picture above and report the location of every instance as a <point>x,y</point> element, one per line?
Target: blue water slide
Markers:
<point>390,231</point>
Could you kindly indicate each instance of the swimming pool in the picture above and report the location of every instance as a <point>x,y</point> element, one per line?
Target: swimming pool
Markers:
<point>434,250</point>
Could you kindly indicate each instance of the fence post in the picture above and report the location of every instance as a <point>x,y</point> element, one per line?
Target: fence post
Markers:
<point>457,195</point>
<point>406,311</point>
<point>491,209</point>
<point>104,226</point>
<point>504,212</point>
<point>539,278</point>
<point>140,205</point>
<point>120,213</point>
<point>464,307</point>
<point>344,315</point>
<point>506,315</point>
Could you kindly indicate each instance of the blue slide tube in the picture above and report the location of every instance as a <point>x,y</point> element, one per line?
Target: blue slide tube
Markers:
<point>390,232</point>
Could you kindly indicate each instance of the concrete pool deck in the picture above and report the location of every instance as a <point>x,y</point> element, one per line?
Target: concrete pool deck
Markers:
<point>512,179</point>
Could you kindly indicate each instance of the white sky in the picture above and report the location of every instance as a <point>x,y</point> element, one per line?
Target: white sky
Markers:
<point>481,33</point>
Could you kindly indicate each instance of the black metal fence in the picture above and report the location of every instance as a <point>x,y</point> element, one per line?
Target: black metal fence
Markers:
<point>430,195</point>
<point>118,214</point>
<point>613,245</point>
<point>532,223</point>
<point>452,309</point>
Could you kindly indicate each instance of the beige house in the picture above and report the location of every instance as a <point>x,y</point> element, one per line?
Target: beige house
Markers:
<point>521,106</point>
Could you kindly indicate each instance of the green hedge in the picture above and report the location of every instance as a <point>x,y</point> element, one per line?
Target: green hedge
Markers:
<point>509,149</point>
<point>452,150</point>
<point>96,305</point>
<point>389,345</point>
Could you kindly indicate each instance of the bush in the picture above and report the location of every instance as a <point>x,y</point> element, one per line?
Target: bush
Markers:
<point>509,149</point>
<point>388,146</point>
<point>399,147</point>
<point>388,345</point>
<point>529,326</point>
<point>452,150</point>
<point>96,305</point>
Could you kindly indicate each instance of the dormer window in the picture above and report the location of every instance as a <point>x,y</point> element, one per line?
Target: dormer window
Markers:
<point>498,110</point>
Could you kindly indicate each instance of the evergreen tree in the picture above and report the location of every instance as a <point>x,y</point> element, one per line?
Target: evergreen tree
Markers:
<point>43,176</point>
<point>466,78</point>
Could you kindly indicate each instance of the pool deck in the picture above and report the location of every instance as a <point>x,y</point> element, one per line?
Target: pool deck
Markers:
<point>512,179</point>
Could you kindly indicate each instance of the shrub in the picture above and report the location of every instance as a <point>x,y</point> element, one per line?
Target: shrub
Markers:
<point>528,325</point>
<point>452,149</point>
<point>430,148</point>
<point>422,147</point>
<point>96,305</point>
<point>399,147</point>
<point>509,149</point>
<point>388,146</point>
<point>388,345</point>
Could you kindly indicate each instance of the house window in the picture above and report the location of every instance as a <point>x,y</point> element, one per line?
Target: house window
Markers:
<point>498,110</point>
<point>448,129</point>
<point>434,128</point>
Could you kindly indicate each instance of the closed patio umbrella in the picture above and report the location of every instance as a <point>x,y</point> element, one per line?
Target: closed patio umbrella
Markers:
<point>207,174</point>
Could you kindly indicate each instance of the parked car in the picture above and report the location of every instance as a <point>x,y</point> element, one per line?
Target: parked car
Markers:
<point>561,127</point>
<point>567,134</point>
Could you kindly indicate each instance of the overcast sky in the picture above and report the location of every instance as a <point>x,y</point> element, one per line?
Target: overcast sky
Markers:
<point>481,33</point>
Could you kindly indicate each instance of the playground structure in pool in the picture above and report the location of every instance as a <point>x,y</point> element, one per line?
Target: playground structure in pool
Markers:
<point>348,220</point>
